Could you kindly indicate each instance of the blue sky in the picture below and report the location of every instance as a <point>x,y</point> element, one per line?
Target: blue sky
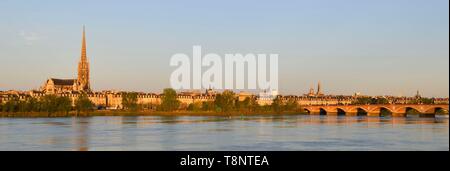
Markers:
<point>375,47</point>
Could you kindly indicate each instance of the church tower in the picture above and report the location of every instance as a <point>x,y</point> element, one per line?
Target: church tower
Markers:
<point>319,89</point>
<point>83,67</point>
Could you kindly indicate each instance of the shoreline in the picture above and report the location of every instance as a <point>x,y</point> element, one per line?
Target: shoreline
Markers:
<point>124,113</point>
<point>138,113</point>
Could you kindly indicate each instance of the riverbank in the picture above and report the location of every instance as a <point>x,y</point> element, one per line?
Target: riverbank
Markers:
<point>137,113</point>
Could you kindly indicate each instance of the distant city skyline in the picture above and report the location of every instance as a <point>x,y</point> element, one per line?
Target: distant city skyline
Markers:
<point>372,47</point>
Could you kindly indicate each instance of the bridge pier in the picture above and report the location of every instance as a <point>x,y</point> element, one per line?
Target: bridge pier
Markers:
<point>398,114</point>
<point>373,114</point>
<point>351,114</point>
<point>332,113</point>
<point>427,115</point>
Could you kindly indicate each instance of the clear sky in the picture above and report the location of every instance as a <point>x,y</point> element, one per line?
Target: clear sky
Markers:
<point>376,47</point>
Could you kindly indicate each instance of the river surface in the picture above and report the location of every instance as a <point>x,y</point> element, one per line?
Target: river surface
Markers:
<point>262,133</point>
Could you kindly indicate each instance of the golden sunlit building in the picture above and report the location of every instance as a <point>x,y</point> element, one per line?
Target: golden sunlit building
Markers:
<point>81,84</point>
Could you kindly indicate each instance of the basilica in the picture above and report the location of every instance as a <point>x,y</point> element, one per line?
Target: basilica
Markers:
<point>80,84</point>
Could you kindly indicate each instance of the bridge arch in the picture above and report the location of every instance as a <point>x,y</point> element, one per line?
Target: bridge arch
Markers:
<point>361,111</point>
<point>341,111</point>
<point>409,109</point>
<point>322,111</point>
<point>438,110</point>
<point>307,110</point>
<point>412,111</point>
<point>385,111</point>
<point>396,110</point>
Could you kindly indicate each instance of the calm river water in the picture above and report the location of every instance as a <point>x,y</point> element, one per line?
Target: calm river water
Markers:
<point>266,133</point>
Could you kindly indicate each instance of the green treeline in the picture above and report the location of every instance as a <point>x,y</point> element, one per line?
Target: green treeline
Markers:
<point>369,100</point>
<point>83,105</point>
<point>50,104</point>
<point>225,102</point>
<point>374,101</point>
<point>228,101</point>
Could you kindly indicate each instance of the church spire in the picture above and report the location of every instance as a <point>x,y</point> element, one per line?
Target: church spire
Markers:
<point>319,89</point>
<point>83,46</point>
<point>83,66</point>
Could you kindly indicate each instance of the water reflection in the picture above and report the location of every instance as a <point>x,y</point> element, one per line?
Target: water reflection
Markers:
<point>294,132</point>
<point>81,126</point>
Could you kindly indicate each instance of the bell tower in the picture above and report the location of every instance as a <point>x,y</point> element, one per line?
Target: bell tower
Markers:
<point>83,67</point>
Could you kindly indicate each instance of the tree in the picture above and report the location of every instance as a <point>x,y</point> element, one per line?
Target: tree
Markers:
<point>380,101</point>
<point>169,101</point>
<point>11,105</point>
<point>253,104</point>
<point>422,100</point>
<point>49,104</point>
<point>208,106</point>
<point>196,106</point>
<point>15,105</point>
<point>53,104</point>
<point>83,104</point>
<point>363,101</point>
<point>225,102</point>
<point>129,101</point>
<point>32,105</point>
<point>426,100</point>
<point>243,105</point>
<point>64,104</point>
<point>291,105</point>
<point>277,105</point>
<point>218,103</point>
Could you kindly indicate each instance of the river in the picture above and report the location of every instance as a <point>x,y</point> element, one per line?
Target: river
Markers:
<point>261,133</point>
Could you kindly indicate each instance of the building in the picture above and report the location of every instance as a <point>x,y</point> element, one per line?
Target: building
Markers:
<point>311,92</point>
<point>319,90</point>
<point>54,86</point>
<point>211,92</point>
<point>81,84</point>
<point>244,95</point>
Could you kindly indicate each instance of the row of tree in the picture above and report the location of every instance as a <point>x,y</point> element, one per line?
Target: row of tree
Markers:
<point>49,103</point>
<point>228,101</point>
<point>169,101</point>
<point>224,102</point>
<point>374,101</point>
<point>369,100</point>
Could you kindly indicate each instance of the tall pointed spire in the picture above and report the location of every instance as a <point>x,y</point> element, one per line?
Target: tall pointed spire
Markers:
<point>83,66</point>
<point>83,45</point>
<point>319,89</point>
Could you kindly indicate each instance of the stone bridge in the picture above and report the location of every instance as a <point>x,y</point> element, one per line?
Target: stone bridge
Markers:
<point>398,110</point>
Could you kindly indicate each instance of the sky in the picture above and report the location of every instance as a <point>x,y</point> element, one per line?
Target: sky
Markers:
<point>375,47</point>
